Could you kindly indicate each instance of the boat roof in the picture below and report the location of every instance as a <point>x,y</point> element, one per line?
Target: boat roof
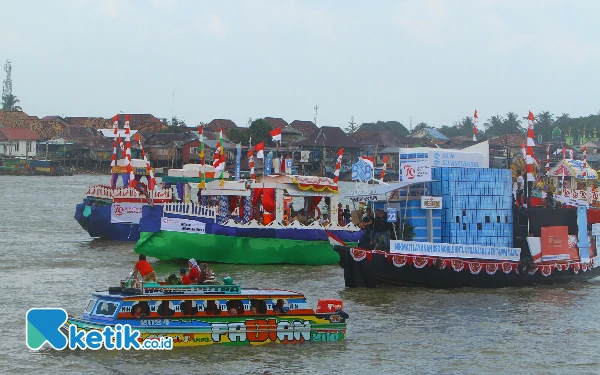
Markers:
<point>214,290</point>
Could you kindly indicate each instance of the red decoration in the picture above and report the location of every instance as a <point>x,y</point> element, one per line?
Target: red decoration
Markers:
<point>458,265</point>
<point>399,260</point>
<point>420,262</point>
<point>474,267</point>
<point>358,255</point>
<point>491,268</point>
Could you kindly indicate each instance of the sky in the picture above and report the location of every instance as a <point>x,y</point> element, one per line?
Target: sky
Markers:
<point>432,61</point>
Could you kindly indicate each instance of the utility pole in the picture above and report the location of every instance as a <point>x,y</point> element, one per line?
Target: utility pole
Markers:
<point>316,110</point>
<point>352,125</point>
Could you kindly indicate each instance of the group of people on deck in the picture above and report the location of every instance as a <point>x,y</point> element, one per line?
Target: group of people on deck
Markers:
<point>521,199</point>
<point>198,273</point>
<point>375,230</point>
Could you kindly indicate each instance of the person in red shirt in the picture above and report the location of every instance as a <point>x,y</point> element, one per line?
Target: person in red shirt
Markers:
<point>144,269</point>
<point>194,274</point>
<point>185,280</point>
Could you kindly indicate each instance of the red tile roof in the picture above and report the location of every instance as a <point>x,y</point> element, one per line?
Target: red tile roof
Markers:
<point>18,134</point>
<point>276,122</point>
<point>90,122</point>
<point>307,128</point>
<point>143,122</point>
<point>217,124</point>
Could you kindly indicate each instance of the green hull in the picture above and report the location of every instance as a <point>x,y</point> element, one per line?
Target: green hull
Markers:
<point>166,245</point>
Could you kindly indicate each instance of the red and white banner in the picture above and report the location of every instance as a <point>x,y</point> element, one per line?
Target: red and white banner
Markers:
<point>126,213</point>
<point>415,171</point>
<point>182,225</point>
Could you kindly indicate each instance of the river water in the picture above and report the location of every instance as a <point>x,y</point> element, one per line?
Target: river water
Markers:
<point>47,260</point>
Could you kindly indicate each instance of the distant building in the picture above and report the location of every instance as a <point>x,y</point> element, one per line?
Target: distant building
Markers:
<point>18,142</point>
<point>430,133</point>
<point>308,129</point>
<point>217,124</point>
<point>276,122</point>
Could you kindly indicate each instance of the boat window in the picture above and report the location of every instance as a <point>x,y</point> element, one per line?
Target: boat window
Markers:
<point>260,305</point>
<point>140,309</point>
<point>212,308</point>
<point>105,308</point>
<point>280,306</point>
<point>188,308</point>
<point>235,307</point>
<point>90,306</point>
<point>164,309</point>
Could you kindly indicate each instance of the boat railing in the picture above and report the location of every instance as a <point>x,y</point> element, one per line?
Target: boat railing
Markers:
<point>126,193</point>
<point>155,288</point>
<point>190,209</point>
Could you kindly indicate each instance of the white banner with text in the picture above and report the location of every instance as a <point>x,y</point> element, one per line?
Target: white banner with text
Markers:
<point>126,213</point>
<point>446,250</point>
<point>182,225</point>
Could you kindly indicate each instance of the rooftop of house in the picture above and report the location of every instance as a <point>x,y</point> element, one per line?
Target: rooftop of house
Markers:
<point>276,122</point>
<point>329,136</point>
<point>217,124</point>
<point>429,132</point>
<point>18,134</point>
<point>307,128</point>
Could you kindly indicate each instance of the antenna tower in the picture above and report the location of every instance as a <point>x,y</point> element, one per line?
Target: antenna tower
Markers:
<point>316,109</point>
<point>7,87</point>
<point>410,124</point>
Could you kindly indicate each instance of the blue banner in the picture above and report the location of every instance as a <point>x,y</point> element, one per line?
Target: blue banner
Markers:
<point>392,215</point>
<point>288,166</point>
<point>238,160</point>
<point>269,163</point>
<point>361,171</point>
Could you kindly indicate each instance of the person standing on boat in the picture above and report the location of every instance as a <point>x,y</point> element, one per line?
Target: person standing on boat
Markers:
<point>144,269</point>
<point>381,232</point>
<point>347,215</point>
<point>520,188</point>
<point>366,233</point>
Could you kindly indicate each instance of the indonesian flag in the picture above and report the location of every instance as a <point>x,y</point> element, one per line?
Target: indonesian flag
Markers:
<point>276,134</point>
<point>221,163</point>
<point>260,150</point>
<point>385,160</point>
<point>369,160</point>
<point>475,122</point>
<point>334,241</point>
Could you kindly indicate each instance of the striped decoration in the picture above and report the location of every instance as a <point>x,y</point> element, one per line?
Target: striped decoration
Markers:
<point>529,148</point>
<point>338,166</point>
<point>113,158</point>
<point>128,152</point>
<point>585,162</point>
<point>547,159</point>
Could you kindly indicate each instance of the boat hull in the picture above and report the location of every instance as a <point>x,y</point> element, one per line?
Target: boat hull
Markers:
<point>233,331</point>
<point>380,268</point>
<point>96,221</point>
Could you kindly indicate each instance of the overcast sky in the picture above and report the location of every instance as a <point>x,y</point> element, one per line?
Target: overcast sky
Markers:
<point>432,60</point>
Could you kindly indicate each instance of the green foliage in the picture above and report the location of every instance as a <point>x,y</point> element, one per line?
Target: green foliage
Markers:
<point>498,126</point>
<point>420,126</point>
<point>392,126</point>
<point>172,279</point>
<point>259,129</point>
<point>239,135</point>
<point>408,231</point>
<point>174,126</point>
<point>9,103</point>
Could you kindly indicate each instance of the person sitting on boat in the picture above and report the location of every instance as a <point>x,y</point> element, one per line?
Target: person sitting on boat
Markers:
<point>207,276</point>
<point>325,220</point>
<point>185,279</point>
<point>550,201</point>
<point>194,273</point>
<point>279,307</point>
<point>253,310</point>
<point>144,269</point>
<point>233,311</point>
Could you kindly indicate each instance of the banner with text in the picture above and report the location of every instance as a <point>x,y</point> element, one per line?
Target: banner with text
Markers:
<point>126,213</point>
<point>456,159</point>
<point>415,171</point>
<point>182,225</point>
<point>446,250</point>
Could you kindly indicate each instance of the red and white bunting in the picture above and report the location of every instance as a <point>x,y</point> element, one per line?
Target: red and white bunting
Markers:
<point>529,151</point>
<point>113,158</point>
<point>128,152</point>
<point>338,166</point>
<point>475,123</point>
<point>385,160</point>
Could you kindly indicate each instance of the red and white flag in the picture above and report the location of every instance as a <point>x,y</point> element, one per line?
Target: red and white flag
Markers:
<point>260,150</point>
<point>369,160</point>
<point>385,160</point>
<point>276,134</point>
<point>475,123</point>
<point>333,240</point>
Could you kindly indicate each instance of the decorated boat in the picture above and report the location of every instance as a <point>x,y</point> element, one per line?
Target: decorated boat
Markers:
<point>465,230</point>
<point>193,315</point>
<point>251,222</point>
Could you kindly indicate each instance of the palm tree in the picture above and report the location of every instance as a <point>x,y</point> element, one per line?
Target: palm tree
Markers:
<point>9,103</point>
